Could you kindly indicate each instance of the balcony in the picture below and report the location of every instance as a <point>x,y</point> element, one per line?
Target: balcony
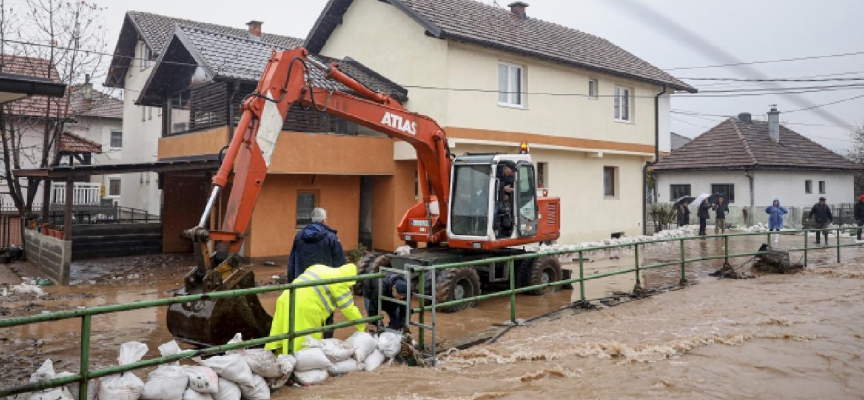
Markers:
<point>83,194</point>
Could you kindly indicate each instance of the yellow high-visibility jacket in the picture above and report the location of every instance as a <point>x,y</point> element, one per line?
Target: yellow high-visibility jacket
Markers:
<point>315,304</point>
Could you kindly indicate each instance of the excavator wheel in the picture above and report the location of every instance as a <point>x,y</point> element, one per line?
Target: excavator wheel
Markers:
<point>535,271</point>
<point>456,284</point>
<point>363,267</point>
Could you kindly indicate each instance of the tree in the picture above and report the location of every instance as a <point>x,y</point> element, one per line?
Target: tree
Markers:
<point>60,40</point>
<point>856,154</point>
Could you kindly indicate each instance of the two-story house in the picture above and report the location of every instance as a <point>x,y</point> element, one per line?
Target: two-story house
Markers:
<point>143,38</point>
<point>493,77</point>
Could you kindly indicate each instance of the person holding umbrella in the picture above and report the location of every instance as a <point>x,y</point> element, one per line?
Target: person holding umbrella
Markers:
<point>703,215</point>
<point>683,214</point>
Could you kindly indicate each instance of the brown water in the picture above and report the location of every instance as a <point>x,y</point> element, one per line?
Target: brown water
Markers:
<point>23,349</point>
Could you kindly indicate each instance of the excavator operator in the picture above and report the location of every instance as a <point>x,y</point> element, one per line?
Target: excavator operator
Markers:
<point>315,304</point>
<point>503,224</point>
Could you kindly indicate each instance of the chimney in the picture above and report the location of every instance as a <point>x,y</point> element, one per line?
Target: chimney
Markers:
<point>254,29</point>
<point>518,8</point>
<point>774,124</point>
<point>87,88</point>
<point>745,117</point>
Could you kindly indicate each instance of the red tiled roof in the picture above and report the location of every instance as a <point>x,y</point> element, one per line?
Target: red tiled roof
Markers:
<point>737,145</point>
<point>71,143</point>
<point>33,106</point>
<point>101,106</point>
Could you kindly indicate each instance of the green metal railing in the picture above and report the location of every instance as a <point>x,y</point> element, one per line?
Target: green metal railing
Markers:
<point>85,375</point>
<point>683,261</point>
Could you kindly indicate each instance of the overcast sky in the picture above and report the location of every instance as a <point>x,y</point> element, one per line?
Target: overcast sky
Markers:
<point>666,33</point>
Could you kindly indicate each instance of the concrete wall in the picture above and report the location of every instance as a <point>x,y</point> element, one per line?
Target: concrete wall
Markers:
<point>142,128</point>
<point>768,185</point>
<point>53,256</point>
<point>115,240</point>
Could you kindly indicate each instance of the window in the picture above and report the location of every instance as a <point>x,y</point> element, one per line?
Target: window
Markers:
<point>726,190</point>
<point>144,55</point>
<point>542,170</point>
<point>307,200</point>
<point>821,187</point>
<point>470,213</point>
<point>113,187</point>
<point>149,112</point>
<point>678,191</point>
<point>592,88</point>
<point>143,113</point>
<point>510,85</point>
<point>622,104</point>
<point>116,139</point>
<point>609,184</point>
<point>808,186</point>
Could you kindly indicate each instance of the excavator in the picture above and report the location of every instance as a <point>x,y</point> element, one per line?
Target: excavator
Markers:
<point>463,215</point>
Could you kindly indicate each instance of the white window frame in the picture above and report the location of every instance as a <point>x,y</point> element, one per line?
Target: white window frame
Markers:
<point>108,194</point>
<point>144,55</point>
<point>593,88</point>
<point>508,89</point>
<point>111,140</point>
<point>823,187</point>
<point>617,105</point>
<point>615,187</point>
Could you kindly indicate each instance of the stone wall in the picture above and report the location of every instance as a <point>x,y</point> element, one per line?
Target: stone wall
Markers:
<point>53,256</point>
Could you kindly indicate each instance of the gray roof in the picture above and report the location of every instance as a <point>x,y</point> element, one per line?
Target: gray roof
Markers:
<point>738,145</point>
<point>478,23</point>
<point>677,140</point>
<point>226,57</point>
<point>157,31</point>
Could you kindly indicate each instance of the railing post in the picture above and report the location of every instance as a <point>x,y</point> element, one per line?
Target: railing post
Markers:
<point>421,340</point>
<point>806,240</point>
<point>726,248</point>
<point>511,267</point>
<point>292,300</point>
<point>636,258</point>
<point>581,277</point>
<point>838,244</point>
<point>683,266</point>
<point>84,364</point>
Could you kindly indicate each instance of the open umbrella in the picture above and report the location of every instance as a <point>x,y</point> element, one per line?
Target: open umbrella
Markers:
<point>701,197</point>
<point>688,199</point>
<point>714,198</point>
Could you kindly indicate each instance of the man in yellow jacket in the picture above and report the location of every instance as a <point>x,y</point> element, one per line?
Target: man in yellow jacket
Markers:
<point>315,304</point>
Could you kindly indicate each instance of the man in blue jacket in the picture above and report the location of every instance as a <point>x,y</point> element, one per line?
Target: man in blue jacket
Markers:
<point>316,244</point>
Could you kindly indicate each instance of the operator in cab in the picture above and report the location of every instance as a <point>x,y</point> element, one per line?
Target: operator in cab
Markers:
<point>503,207</point>
<point>315,304</point>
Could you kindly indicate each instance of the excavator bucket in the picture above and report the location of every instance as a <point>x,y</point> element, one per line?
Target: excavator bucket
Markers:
<point>211,322</point>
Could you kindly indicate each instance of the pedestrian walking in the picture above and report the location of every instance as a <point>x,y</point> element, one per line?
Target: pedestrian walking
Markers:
<point>821,216</point>
<point>720,210</point>
<point>315,304</point>
<point>859,215</point>
<point>775,217</point>
<point>703,216</point>
<point>683,214</point>
<point>316,244</point>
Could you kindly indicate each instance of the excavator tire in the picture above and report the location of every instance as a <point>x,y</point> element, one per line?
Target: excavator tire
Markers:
<point>363,268</point>
<point>534,271</point>
<point>457,284</point>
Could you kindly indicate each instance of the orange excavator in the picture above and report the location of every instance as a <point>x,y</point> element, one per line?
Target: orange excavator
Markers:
<point>464,213</point>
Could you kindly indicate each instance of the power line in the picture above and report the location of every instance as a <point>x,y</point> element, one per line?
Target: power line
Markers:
<point>724,117</point>
<point>857,53</point>
<point>826,104</point>
<point>773,79</point>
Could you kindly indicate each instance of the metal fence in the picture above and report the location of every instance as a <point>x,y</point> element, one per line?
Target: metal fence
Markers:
<point>423,299</point>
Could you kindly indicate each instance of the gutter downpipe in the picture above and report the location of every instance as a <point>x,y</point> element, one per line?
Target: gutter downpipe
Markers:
<point>649,164</point>
<point>752,197</point>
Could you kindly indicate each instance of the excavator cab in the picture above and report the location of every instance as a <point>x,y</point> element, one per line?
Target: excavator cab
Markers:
<point>481,210</point>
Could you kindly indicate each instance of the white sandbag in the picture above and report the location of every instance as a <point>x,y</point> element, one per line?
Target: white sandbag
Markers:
<point>92,387</point>
<point>277,383</point>
<point>343,367</point>
<point>124,386</point>
<point>258,390</point>
<point>390,344</point>
<point>167,382</point>
<point>169,349</point>
<point>45,373</point>
<point>286,363</point>
<point>262,362</point>
<point>227,390</point>
<point>374,360</point>
<point>231,367</point>
<point>190,394</point>
<point>363,343</point>
<point>309,359</point>
<point>335,349</point>
<point>311,377</point>
<point>202,379</point>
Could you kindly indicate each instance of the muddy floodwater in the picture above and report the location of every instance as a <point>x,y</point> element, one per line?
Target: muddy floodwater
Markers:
<point>777,336</point>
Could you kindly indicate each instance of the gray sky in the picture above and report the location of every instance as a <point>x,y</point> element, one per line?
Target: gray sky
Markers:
<point>728,30</point>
